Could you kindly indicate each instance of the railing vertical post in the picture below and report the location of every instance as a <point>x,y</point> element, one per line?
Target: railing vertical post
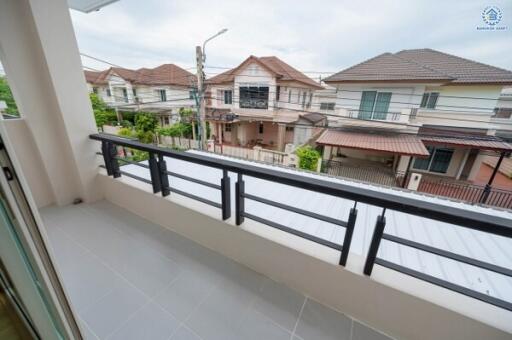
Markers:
<point>239,200</point>
<point>155,173</point>
<point>164,179</point>
<point>109,152</point>
<point>374,245</point>
<point>225,187</point>
<point>349,231</point>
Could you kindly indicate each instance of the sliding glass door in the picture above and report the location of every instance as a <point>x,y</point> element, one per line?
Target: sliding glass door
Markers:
<point>374,105</point>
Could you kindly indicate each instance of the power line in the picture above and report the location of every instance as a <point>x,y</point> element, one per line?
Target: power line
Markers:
<point>379,121</point>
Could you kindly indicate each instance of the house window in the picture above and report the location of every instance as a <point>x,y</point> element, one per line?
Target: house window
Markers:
<point>298,96</point>
<point>502,112</point>
<point>289,128</point>
<point>191,94</point>
<point>278,92</point>
<point>310,99</point>
<point>109,94</point>
<point>166,120</point>
<point>289,96</point>
<point>227,127</point>
<point>254,97</point>
<point>228,97</point>
<point>95,90</point>
<point>327,106</point>
<point>162,95</point>
<point>260,128</point>
<point>125,95</point>
<point>304,94</point>
<point>134,91</point>
<point>438,161</point>
<point>429,100</point>
<point>374,105</point>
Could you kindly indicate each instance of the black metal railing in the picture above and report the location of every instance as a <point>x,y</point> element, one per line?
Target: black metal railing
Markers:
<point>467,192</point>
<point>492,224</point>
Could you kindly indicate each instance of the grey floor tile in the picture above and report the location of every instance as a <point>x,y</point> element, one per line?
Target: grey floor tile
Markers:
<point>147,270</point>
<point>362,332</point>
<point>185,293</point>
<point>279,303</point>
<point>219,317</point>
<point>88,280</point>
<point>184,334</point>
<point>318,322</point>
<point>256,326</point>
<point>112,310</point>
<point>150,322</point>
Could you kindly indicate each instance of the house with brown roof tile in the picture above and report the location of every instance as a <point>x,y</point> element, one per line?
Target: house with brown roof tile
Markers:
<point>443,104</point>
<point>263,101</point>
<point>164,89</point>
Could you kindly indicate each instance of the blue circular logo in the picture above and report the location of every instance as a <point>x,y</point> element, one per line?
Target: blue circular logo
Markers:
<point>492,15</point>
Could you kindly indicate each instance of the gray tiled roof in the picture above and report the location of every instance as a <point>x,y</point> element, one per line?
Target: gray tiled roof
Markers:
<point>423,65</point>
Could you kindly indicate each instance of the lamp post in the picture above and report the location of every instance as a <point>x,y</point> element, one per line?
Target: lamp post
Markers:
<point>200,102</point>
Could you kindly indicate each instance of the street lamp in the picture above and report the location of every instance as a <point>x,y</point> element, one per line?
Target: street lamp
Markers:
<point>222,31</point>
<point>201,110</point>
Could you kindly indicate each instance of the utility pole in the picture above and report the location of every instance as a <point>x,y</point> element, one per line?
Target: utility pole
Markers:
<point>200,102</point>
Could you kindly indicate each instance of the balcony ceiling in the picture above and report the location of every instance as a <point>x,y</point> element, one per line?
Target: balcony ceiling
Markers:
<point>88,6</point>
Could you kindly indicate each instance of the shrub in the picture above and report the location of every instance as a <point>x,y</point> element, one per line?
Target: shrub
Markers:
<point>308,157</point>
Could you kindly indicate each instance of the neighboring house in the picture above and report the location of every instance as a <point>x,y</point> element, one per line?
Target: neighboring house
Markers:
<point>426,104</point>
<point>164,89</point>
<point>503,115</point>
<point>263,101</point>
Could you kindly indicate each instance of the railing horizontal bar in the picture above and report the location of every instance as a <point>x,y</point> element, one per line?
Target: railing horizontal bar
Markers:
<point>295,232</point>
<point>296,210</point>
<point>121,159</point>
<point>445,284</point>
<point>197,198</point>
<point>142,179</point>
<point>195,180</point>
<point>415,206</point>
<point>447,254</point>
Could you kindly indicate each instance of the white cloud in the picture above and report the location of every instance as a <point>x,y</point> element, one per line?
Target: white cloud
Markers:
<point>325,35</point>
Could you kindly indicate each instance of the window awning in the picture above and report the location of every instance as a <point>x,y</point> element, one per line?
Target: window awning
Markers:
<point>402,144</point>
<point>454,138</point>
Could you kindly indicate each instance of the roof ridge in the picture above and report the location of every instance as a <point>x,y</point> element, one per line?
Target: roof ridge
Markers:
<point>358,64</point>
<point>424,66</point>
<point>471,60</point>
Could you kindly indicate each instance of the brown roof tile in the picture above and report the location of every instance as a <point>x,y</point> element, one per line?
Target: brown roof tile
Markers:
<point>166,74</point>
<point>282,70</point>
<point>397,143</point>
<point>422,65</point>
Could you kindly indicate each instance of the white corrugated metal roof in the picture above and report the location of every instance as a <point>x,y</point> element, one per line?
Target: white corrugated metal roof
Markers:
<point>493,249</point>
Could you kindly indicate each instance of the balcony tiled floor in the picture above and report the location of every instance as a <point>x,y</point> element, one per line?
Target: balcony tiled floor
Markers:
<point>131,279</point>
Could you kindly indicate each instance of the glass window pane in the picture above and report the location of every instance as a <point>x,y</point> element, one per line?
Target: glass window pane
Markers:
<point>366,106</point>
<point>422,163</point>
<point>382,105</point>
<point>432,100</point>
<point>441,160</point>
<point>424,100</point>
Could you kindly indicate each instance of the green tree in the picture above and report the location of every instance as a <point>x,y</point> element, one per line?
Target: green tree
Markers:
<point>102,113</point>
<point>145,126</point>
<point>6,96</point>
<point>308,157</point>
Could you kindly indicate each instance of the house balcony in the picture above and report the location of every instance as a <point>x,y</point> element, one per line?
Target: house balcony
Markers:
<point>396,120</point>
<point>186,245</point>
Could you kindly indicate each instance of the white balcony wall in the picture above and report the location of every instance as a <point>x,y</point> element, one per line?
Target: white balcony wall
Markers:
<point>40,55</point>
<point>291,97</point>
<point>217,100</point>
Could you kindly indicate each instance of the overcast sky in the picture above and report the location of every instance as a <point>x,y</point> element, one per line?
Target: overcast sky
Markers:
<point>320,36</point>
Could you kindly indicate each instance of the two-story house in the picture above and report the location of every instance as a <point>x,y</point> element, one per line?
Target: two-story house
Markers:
<point>263,101</point>
<point>422,110</point>
<point>164,89</point>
